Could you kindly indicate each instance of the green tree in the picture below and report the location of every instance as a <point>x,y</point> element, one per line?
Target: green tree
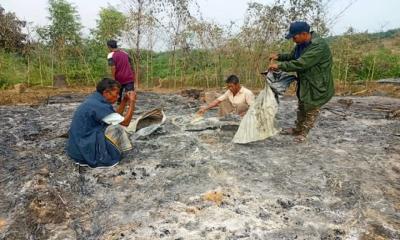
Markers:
<point>179,20</point>
<point>141,16</point>
<point>65,23</point>
<point>61,43</point>
<point>11,36</point>
<point>110,25</point>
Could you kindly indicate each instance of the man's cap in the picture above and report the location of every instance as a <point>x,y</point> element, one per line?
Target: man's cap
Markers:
<point>296,28</point>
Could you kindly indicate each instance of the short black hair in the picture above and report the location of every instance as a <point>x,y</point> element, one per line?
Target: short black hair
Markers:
<point>107,84</point>
<point>112,43</point>
<point>232,79</point>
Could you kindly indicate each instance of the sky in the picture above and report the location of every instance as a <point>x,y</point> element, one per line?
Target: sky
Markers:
<point>362,15</point>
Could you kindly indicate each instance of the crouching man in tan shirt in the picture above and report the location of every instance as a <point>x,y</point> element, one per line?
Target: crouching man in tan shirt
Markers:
<point>236,99</point>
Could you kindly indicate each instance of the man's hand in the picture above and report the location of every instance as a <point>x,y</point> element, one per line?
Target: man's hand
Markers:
<point>273,66</point>
<point>131,96</point>
<point>202,110</point>
<point>126,98</point>
<point>273,57</point>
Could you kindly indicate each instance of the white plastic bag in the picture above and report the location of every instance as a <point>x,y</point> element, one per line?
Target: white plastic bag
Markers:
<point>113,119</point>
<point>259,122</point>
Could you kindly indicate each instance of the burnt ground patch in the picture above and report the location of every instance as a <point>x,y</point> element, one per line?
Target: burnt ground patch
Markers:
<point>343,183</point>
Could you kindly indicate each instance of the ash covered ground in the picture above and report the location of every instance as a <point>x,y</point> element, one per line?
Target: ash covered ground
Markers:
<point>343,183</point>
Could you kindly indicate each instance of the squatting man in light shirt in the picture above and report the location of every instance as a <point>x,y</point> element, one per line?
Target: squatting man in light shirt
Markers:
<point>237,99</point>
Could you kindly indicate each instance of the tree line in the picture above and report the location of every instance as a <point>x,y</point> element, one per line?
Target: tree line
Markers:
<point>173,46</point>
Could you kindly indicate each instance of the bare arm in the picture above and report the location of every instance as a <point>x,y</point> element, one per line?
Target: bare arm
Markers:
<point>215,103</point>
<point>131,100</point>
<point>122,105</point>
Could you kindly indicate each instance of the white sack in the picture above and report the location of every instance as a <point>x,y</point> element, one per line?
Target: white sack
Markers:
<point>259,122</point>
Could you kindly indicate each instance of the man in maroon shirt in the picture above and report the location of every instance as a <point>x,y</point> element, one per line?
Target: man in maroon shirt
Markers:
<point>121,68</point>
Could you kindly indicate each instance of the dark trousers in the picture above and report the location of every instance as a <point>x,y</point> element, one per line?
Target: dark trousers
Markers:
<point>125,88</point>
<point>305,119</point>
